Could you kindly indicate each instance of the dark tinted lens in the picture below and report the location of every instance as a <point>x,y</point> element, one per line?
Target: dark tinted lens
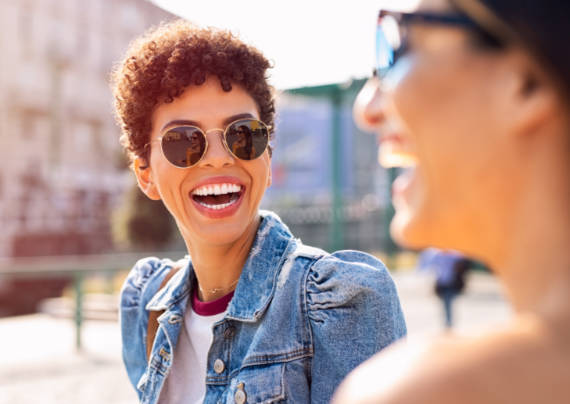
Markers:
<point>183,146</point>
<point>247,139</point>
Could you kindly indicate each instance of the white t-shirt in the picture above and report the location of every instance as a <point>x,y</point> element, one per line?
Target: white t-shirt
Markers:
<point>186,381</point>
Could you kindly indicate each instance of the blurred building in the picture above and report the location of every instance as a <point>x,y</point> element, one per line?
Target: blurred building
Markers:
<point>62,168</point>
<point>326,182</point>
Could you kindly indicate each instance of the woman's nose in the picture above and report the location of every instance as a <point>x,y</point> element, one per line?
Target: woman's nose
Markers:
<point>368,110</point>
<point>216,153</point>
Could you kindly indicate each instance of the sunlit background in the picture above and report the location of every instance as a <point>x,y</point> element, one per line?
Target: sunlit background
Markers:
<point>73,221</point>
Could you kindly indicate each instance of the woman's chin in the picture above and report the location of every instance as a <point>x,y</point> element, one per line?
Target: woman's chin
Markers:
<point>406,231</point>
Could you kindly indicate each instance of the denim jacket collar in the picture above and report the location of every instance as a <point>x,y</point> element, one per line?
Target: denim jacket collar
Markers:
<point>176,289</point>
<point>257,283</point>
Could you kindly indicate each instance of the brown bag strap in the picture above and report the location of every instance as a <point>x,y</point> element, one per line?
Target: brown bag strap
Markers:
<point>153,316</point>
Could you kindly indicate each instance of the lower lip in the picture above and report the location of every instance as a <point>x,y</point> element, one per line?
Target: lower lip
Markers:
<point>401,186</point>
<point>219,213</point>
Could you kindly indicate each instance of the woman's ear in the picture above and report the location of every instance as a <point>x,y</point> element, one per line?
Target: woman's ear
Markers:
<point>534,95</point>
<point>269,175</point>
<point>144,178</point>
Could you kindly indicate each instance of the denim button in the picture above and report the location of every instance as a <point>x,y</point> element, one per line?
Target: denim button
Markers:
<point>219,366</point>
<point>240,397</point>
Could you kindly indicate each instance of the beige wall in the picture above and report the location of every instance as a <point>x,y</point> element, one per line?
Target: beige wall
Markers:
<point>58,139</point>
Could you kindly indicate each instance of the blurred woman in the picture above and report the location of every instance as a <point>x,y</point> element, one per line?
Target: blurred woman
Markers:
<point>473,98</point>
<point>251,314</point>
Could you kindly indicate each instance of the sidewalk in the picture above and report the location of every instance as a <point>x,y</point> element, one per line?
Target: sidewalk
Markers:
<point>482,307</point>
<point>39,364</point>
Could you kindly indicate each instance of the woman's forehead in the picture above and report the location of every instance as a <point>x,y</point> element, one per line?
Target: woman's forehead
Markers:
<point>414,5</point>
<point>433,5</point>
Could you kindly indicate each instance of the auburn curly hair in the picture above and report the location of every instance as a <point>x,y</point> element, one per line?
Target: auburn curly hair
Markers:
<point>163,62</point>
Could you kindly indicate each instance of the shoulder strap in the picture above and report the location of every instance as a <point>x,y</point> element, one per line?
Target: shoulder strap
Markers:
<point>153,316</point>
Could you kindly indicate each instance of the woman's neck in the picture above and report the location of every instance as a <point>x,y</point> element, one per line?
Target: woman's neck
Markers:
<point>218,267</point>
<point>535,261</point>
<point>537,275</point>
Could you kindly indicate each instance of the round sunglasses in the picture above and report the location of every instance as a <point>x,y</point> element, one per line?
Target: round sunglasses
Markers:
<point>392,38</point>
<point>184,146</point>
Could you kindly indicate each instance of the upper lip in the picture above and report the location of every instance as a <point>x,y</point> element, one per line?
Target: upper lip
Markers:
<point>395,150</point>
<point>219,180</point>
<point>391,137</point>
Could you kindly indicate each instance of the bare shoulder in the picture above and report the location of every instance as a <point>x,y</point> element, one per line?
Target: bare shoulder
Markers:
<point>403,373</point>
<point>523,363</point>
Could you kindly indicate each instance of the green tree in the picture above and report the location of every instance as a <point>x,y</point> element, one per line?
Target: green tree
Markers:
<point>141,223</point>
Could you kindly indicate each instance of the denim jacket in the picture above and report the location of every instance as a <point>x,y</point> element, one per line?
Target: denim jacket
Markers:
<point>299,321</point>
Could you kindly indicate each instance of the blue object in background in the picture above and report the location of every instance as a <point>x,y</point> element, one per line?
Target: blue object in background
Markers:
<point>450,268</point>
<point>301,160</point>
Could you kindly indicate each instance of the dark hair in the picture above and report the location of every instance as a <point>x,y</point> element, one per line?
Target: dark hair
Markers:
<point>543,26</point>
<point>163,62</point>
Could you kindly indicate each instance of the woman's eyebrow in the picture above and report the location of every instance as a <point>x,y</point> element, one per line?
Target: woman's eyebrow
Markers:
<point>236,117</point>
<point>189,122</point>
<point>181,122</point>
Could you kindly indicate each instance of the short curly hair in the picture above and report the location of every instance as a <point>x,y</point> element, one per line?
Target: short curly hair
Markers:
<point>163,62</point>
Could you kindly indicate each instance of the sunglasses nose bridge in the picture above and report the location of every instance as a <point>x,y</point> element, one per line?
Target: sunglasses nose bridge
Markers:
<point>214,130</point>
<point>217,151</point>
<point>222,136</point>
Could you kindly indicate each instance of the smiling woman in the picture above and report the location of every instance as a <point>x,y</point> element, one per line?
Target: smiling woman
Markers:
<point>251,314</point>
<point>473,98</point>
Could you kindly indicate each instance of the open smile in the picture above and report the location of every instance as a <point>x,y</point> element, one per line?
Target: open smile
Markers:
<point>394,152</point>
<point>218,199</point>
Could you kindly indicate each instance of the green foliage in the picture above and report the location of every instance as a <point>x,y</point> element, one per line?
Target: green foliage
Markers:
<point>141,223</point>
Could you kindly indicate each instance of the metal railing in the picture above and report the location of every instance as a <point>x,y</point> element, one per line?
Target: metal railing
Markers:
<point>76,267</point>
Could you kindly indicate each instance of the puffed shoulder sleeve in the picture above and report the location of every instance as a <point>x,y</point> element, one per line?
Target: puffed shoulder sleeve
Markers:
<point>354,311</point>
<point>140,285</point>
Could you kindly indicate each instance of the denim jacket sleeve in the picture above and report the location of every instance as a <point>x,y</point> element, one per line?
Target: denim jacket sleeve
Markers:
<point>353,311</point>
<point>140,285</point>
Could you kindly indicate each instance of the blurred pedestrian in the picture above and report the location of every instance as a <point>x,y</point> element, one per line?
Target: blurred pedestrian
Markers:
<point>450,269</point>
<point>473,96</point>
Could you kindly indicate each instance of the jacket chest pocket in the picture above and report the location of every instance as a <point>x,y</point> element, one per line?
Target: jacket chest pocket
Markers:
<point>258,384</point>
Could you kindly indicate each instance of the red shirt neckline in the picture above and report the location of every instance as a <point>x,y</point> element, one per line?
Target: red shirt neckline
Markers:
<point>210,308</point>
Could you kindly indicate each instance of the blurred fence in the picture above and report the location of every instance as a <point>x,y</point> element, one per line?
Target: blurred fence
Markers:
<point>75,267</point>
<point>363,224</point>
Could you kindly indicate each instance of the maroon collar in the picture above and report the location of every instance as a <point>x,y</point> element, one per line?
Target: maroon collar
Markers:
<point>210,308</point>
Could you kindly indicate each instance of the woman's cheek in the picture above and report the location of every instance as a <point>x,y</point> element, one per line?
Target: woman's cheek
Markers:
<point>407,91</point>
<point>397,74</point>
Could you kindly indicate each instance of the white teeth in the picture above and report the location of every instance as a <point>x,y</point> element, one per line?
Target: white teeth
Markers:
<point>217,207</point>
<point>216,189</point>
<point>390,156</point>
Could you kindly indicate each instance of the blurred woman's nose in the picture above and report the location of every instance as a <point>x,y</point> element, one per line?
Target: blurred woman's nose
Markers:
<point>368,109</point>
<point>216,153</point>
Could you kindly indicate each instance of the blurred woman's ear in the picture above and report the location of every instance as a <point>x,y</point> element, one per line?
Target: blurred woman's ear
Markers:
<point>143,173</point>
<point>532,95</point>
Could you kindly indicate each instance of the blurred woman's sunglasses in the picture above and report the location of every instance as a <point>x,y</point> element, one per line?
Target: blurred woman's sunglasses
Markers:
<point>391,30</point>
<point>184,146</point>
